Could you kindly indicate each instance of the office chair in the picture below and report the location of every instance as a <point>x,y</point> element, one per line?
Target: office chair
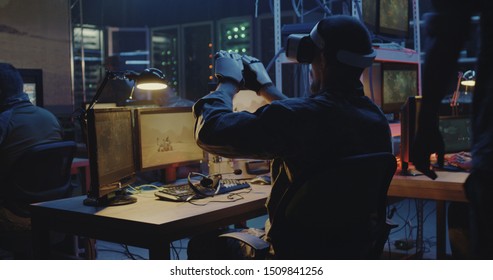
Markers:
<point>338,214</point>
<point>41,173</point>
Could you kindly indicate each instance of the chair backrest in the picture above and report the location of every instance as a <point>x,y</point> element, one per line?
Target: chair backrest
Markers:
<point>41,173</point>
<point>340,213</point>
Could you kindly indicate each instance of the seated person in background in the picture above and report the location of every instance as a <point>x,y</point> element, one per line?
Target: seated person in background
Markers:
<point>301,135</point>
<point>22,126</point>
<point>462,160</point>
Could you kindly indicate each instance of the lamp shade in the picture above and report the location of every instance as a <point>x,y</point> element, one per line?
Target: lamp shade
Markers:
<point>150,79</point>
<point>469,78</point>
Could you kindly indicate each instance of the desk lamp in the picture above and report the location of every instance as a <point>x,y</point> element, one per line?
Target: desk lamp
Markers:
<point>149,79</point>
<point>467,79</point>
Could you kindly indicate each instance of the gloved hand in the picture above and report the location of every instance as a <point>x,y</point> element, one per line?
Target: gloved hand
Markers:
<point>426,142</point>
<point>229,66</point>
<point>255,74</point>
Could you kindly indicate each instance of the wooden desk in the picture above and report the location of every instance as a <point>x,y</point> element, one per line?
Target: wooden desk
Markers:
<point>447,187</point>
<point>150,223</point>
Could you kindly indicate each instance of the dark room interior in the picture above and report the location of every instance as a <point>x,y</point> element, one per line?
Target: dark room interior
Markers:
<point>103,196</point>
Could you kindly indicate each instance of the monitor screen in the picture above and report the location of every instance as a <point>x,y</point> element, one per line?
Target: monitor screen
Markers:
<point>369,12</point>
<point>456,133</point>
<point>33,85</point>
<point>399,81</point>
<point>30,90</point>
<point>165,138</point>
<point>394,17</point>
<point>111,152</point>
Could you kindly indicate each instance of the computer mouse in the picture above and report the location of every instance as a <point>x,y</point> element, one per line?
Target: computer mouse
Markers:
<point>261,180</point>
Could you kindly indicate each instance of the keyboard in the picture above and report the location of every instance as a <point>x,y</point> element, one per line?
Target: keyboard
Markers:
<point>183,192</point>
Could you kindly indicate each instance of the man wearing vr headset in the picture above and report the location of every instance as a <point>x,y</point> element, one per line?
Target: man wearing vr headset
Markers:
<point>302,136</point>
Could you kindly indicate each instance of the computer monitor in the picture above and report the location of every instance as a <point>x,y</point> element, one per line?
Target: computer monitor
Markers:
<point>394,18</point>
<point>369,13</point>
<point>409,126</point>
<point>165,138</point>
<point>111,155</point>
<point>399,81</point>
<point>456,133</point>
<point>33,85</point>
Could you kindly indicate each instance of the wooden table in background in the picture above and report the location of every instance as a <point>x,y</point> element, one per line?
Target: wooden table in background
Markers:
<point>447,187</point>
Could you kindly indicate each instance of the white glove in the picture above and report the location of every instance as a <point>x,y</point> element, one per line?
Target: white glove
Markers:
<point>228,66</point>
<point>255,74</point>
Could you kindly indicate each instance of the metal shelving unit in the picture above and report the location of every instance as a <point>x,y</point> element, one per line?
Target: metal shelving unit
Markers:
<point>88,52</point>
<point>165,53</point>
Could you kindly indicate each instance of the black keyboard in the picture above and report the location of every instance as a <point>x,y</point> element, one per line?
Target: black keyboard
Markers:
<point>184,192</point>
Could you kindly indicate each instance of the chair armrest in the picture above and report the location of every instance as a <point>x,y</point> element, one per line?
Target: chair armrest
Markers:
<point>254,241</point>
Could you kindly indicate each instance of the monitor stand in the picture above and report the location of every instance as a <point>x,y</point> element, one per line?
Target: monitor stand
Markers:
<point>121,199</point>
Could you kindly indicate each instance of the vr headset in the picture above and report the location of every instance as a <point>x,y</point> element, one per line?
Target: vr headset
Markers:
<point>302,48</point>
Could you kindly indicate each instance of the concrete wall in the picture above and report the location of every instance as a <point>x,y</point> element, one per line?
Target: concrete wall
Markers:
<point>36,34</point>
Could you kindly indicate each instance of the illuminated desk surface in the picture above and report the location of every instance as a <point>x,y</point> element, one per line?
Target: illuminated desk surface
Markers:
<point>150,223</point>
<point>154,224</point>
<point>448,186</point>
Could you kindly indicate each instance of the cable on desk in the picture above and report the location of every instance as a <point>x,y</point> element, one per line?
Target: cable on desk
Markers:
<point>140,190</point>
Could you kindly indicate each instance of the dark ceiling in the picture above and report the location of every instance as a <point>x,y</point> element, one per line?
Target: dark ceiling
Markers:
<point>139,13</point>
<point>151,13</point>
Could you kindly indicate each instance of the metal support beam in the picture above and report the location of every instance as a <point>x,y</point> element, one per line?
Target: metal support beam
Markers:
<point>277,42</point>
